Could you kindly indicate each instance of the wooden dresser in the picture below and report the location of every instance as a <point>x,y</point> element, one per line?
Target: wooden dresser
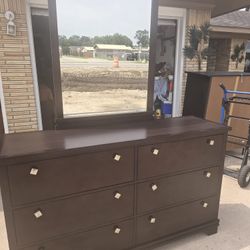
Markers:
<point>203,99</point>
<point>131,186</point>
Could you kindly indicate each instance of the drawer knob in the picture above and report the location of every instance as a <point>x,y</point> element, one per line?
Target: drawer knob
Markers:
<point>154,187</point>
<point>118,195</point>
<point>34,171</point>
<point>152,220</point>
<point>208,174</point>
<point>211,142</point>
<point>204,204</point>
<point>117,157</point>
<point>38,214</point>
<point>155,151</point>
<point>117,230</point>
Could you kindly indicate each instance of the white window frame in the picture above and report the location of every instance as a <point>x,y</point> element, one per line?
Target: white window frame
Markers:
<point>29,5</point>
<point>178,14</point>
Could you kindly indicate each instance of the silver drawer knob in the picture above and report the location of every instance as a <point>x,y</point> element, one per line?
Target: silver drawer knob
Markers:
<point>117,230</point>
<point>34,171</point>
<point>211,142</point>
<point>38,214</point>
<point>208,174</point>
<point>155,151</point>
<point>152,220</point>
<point>204,204</point>
<point>118,195</point>
<point>117,157</point>
<point>154,187</point>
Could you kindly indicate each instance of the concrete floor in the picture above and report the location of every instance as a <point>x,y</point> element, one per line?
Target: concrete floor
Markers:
<point>234,232</point>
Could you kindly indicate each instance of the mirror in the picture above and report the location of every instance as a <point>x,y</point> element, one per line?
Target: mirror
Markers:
<point>104,56</point>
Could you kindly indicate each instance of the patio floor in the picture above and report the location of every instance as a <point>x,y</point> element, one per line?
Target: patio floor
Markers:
<point>234,231</point>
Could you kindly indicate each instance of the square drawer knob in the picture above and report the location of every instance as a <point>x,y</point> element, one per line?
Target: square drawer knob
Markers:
<point>117,230</point>
<point>208,174</point>
<point>117,157</point>
<point>38,214</point>
<point>211,142</point>
<point>156,151</point>
<point>118,195</point>
<point>154,187</point>
<point>34,171</point>
<point>152,220</point>
<point>204,204</point>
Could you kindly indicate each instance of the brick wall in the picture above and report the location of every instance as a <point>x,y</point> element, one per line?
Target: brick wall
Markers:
<point>16,70</point>
<point>219,54</point>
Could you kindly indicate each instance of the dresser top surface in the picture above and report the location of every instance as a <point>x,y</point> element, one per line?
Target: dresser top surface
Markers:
<point>35,143</point>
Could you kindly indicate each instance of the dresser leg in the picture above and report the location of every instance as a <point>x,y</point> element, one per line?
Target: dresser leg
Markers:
<point>211,230</point>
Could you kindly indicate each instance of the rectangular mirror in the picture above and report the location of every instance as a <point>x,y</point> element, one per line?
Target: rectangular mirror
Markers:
<point>104,51</point>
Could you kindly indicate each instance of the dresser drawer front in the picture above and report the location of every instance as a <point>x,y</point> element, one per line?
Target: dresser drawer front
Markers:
<point>180,188</point>
<point>172,157</point>
<point>64,176</point>
<point>173,220</point>
<point>78,213</point>
<point>101,239</point>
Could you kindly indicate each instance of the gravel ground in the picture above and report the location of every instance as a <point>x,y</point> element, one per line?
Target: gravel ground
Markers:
<point>104,101</point>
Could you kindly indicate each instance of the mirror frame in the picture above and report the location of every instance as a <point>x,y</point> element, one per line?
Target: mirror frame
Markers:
<point>72,122</point>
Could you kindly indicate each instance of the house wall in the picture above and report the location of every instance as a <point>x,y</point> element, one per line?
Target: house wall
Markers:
<point>219,54</point>
<point>109,54</point>
<point>16,70</point>
<point>194,17</point>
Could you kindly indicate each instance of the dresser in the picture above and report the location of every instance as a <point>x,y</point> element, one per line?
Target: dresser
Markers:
<point>128,186</point>
<point>204,99</point>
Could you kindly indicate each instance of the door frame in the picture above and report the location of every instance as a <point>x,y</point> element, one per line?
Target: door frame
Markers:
<point>178,14</point>
<point>3,108</point>
<point>33,61</point>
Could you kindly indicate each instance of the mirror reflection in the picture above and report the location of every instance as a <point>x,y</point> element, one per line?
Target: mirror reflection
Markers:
<point>104,55</point>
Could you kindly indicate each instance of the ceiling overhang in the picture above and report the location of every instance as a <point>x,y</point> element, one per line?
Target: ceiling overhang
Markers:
<point>218,7</point>
<point>38,3</point>
<point>226,6</point>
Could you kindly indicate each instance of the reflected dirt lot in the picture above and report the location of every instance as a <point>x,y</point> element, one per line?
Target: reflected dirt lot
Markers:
<point>95,86</point>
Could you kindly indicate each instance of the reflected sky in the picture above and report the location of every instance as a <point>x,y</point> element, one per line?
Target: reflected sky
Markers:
<point>103,17</point>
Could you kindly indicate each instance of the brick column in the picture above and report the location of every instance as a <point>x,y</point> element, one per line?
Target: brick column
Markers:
<point>16,70</point>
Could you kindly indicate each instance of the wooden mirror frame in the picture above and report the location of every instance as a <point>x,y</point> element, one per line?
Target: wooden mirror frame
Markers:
<point>63,123</point>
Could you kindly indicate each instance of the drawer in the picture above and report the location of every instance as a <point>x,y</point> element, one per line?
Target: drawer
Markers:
<point>47,179</point>
<point>167,222</point>
<point>77,213</point>
<point>115,237</point>
<point>179,188</point>
<point>172,157</point>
